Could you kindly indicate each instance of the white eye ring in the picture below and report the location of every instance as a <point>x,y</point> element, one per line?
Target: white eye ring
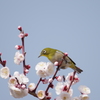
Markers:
<point>44,51</point>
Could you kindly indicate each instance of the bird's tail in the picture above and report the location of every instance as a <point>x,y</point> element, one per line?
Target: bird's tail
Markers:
<point>78,70</point>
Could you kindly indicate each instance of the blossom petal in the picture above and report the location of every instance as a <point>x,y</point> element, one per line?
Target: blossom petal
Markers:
<point>4,72</point>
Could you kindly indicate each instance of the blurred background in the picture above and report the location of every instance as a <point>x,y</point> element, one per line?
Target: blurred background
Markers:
<point>72,26</point>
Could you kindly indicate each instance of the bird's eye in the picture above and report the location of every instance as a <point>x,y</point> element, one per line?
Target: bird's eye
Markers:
<point>44,51</point>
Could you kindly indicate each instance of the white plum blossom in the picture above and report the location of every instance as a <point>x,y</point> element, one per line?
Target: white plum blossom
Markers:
<point>84,97</point>
<point>16,73</point>
<point>40,66</point>
<point>18,93</point>
<point>64,96</point>
<point>69,78</point>
<point>20,77</point>
<point>61,87</point>
<point>4,72</point>
<point>17,85</point>
<point>71,92</point>
<point>12,81</point>
<point>42,73</point>
<point>41,94</point>
<point>31,86</point>
<point>84,89</point>
<point>50,68</point>
<point>44,69</point>
<point>23,79</point>
<point>19,57</point>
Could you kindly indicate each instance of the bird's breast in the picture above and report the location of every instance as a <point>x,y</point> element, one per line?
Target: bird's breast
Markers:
<point>58,57</point>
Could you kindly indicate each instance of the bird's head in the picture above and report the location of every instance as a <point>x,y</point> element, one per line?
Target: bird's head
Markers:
<point>45,52</point>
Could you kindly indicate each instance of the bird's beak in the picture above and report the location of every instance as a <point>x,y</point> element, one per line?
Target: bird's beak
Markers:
<point>39,56</point>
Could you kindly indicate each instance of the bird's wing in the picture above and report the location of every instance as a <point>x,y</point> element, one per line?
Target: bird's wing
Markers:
<point>72,60</point>
<point>67,56</point>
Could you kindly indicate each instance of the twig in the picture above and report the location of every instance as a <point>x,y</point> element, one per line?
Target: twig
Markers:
<point>57,69</point>
<point>37,85</point>
<point>23,52</point>
<point>71,81</point>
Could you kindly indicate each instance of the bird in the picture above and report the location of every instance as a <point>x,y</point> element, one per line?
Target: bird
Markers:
<point>56,55</point>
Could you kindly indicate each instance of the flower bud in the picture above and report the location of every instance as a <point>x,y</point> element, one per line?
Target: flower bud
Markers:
<point>21,35</point>
<point>19,28</point>
<point>27,66</point>
<point>66,54</point>
<point>26,71</point>
<point>18,47</point>
<point>59,78</point>
<point>0,53</point>
<point>56,63</point>
<point>4,62</point>
<point>50,80</point>
<point>23,86</point>
<point>26,34</point>
<point>44,81</point>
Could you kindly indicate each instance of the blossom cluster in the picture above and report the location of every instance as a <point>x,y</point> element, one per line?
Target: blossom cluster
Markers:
<point>19,57</point>
<point>62,89</point>
<point>17,85</point>
<point>20,87</point>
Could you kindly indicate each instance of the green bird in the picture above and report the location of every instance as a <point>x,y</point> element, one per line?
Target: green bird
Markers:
<point>56,55</point>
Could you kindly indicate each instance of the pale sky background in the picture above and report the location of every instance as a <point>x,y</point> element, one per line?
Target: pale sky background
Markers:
<point>71,26</point>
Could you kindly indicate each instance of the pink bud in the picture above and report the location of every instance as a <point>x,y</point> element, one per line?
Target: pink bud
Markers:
<point>19,28</point>
<point>18,47</point>
<point>66,54</point>
<point>23,86</point>
<point>44,81</point>
<point>4,62</point>
<point>51,85</point>
<point>71,78</point>
<point>56,63</point>
<point>0,53</point>
<point>76,80</point>
<point>26,34</point>
<point>26,71</point>
<point>48,98</point>
<point>27,66</point>
<point>21,35</point>
<point>59,78</point>
<point>18,86</point>
<point>65,88</point>
<point>50,80</point>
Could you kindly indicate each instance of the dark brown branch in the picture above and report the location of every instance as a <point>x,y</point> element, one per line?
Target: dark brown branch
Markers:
<point>57,69</point>
<point>37,85</point>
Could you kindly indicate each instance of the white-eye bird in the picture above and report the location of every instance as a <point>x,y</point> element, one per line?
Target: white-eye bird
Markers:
<point>55,55</point>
